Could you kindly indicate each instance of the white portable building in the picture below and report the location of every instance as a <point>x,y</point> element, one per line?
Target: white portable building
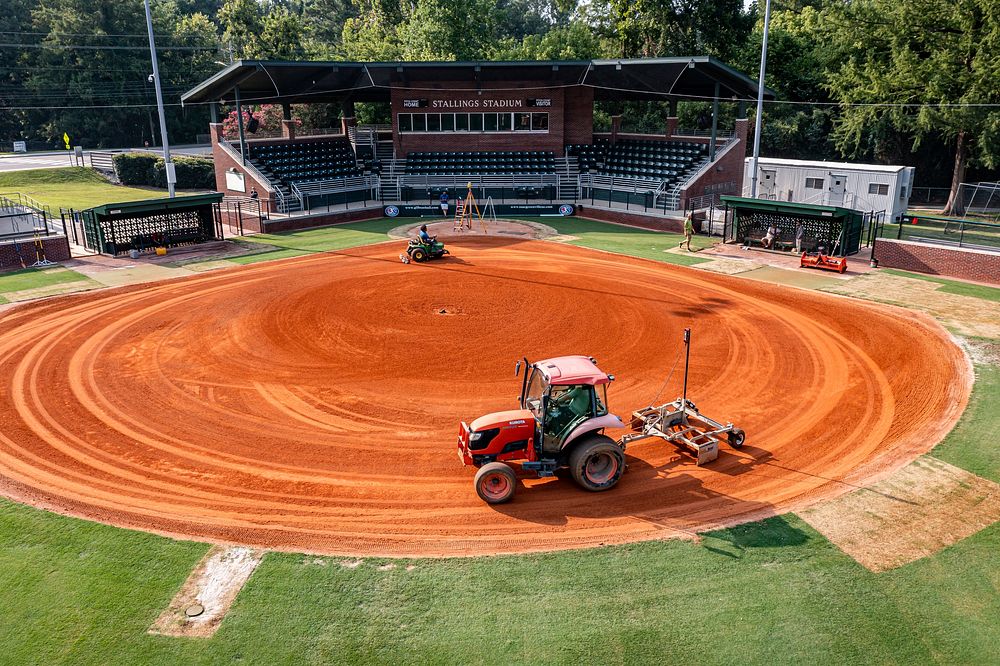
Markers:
<point>865,187</point>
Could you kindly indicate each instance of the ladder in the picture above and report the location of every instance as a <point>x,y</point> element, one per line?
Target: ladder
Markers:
<point>463,212</point>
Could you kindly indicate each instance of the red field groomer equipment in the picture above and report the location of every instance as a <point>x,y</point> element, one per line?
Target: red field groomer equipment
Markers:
<point>820,260</point>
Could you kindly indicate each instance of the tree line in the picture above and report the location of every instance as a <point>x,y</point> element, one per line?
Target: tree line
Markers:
<point>913,82</point>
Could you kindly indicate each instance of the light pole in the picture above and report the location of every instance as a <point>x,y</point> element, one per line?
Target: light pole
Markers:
<point>760,103</point>
<point>167,162</point>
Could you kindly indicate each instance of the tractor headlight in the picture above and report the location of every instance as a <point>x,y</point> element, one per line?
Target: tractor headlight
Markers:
<point>474,436</point>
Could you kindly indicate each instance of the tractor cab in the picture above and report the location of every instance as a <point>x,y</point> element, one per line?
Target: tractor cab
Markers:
<point>562,394</point>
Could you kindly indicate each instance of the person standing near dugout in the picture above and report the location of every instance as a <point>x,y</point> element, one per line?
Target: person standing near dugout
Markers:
<point>443,199</point>
<point>688,230</point>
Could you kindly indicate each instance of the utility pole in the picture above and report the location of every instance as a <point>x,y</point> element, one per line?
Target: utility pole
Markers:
<point>167,162</point>
<point>760,103</point>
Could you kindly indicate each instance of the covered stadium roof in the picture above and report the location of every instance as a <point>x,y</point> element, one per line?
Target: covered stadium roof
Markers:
<point>299,82</point>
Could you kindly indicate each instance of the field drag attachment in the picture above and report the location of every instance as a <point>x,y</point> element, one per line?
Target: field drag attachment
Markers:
<point>680,423</point>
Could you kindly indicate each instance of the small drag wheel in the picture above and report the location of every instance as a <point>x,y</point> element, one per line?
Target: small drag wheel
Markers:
<point>736,437</point>
<point>597,463</point>
<point>495,483</point>
<point>418,254</point>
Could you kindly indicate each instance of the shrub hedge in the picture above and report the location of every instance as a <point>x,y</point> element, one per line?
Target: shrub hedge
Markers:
<point>134,168</point>
<point>150,170</point>
<point>193,173</point>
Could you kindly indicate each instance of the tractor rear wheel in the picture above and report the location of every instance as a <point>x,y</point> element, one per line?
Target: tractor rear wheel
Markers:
<point>736,437</point>
<point>418,254</point>
<point>495,483</point>
<point>597,463</point>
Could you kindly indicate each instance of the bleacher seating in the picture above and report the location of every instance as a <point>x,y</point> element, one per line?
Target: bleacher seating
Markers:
<point>306,162</point>
<point>491,163</point>
<point>672,161</point>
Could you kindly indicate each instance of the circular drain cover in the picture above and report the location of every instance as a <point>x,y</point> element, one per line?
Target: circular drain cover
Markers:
<point>194,610</point>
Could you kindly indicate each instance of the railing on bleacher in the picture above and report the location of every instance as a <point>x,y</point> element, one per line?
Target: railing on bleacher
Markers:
<point>303,191</point>
<point>706,133</point>
<point>479,180</point>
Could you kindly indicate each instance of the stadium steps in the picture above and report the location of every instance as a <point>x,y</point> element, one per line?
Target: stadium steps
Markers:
<point>292,202</point>
<point>384,152</point>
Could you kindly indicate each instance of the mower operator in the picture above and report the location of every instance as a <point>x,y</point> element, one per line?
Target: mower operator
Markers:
<point>424,236</point>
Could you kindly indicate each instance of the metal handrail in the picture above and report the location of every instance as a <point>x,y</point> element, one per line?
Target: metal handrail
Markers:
<point>599,180</point>
<point>25,200</point>
<point>335,185</point>
<point>719,134</point>
<point>478,180</point>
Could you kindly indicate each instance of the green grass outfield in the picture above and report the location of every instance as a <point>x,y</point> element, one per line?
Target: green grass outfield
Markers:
<point>37,278</point>
<point>771,592</point>
<point>951,286</point>
<point>589,233</point>
<point>73,187</point>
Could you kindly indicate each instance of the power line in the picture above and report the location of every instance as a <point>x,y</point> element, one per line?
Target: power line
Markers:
<point>75,34</point>
<point>278,98</point>
<point>107,48</point>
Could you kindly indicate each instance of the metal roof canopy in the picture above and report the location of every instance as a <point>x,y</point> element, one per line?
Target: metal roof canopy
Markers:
<point>788,207</point>
<point>299,82</point>
<point>126,208</point>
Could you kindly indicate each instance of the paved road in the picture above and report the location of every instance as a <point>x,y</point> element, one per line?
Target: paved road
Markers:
<point>62,159</point>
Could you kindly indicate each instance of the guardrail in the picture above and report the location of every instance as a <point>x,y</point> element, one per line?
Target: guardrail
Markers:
<point>19,220</point>
<point>944,231</point>
<point>478,180</point>
<point>102,161</point>
<point>618,182</point>
<point>700,133</point>
<point>335,186</point>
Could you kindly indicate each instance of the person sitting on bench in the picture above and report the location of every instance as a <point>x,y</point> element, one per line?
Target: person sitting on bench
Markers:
<point>769,238</point>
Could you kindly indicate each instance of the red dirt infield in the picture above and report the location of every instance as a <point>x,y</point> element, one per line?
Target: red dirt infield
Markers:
<point>313,404</point>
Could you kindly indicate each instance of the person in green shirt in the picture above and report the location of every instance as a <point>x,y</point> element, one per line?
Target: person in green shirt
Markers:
<point>688,230</point>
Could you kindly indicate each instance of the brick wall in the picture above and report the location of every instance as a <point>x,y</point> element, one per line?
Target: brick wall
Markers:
<point>961,263</point>
<point>578,118</point>
<point>295,223</point>
<point>726,169</point>
<point>632,219</point>
<point>56,249</point>
<point>224,161</point>
<point>570,117</point>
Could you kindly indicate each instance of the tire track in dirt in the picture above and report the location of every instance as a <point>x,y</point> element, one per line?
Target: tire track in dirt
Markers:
<point>312,404</point>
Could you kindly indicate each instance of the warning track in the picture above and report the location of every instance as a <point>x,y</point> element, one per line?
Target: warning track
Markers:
<point>313,404</point>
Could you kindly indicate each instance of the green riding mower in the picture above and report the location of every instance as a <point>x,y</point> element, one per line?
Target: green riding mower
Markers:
<point>418,250</point>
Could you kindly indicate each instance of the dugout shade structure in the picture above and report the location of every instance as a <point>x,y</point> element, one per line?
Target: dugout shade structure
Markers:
<point>116,228</point>
<point>511,128</point>
<point>838,230</point>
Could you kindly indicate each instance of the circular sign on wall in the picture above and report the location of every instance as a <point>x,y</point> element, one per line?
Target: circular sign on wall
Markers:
<point>565,209</point>
<point>391,211</point>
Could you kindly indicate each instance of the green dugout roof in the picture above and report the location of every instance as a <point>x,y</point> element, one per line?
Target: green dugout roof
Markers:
<point>152,205</point>
<point>787,207</point>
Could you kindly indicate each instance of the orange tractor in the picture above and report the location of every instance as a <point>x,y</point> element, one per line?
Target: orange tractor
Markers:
<point>560,425</point>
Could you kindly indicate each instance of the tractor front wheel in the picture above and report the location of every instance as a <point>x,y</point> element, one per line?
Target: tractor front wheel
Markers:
<point>495,483</point>
<point>597,463</point>
<point>418,254</point>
